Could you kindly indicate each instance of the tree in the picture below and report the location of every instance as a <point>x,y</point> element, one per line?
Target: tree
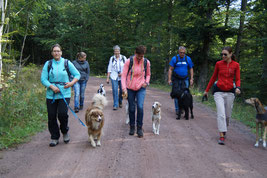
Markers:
<point>3,6</point>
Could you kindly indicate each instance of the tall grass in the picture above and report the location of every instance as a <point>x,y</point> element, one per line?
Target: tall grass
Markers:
<point>22,108</point>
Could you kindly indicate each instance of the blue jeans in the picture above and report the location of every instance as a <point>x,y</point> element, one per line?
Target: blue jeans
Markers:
<point>115,92</point>
<point>120,92</point>
<point>179,87</point>
<point>136,97</point>
<point>79,89</point>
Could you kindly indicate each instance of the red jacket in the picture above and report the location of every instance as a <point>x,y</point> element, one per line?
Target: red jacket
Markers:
<point>226,74</point>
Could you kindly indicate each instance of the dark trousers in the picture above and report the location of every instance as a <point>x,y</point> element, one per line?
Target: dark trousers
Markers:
<point>120,92</point>
<point>58,110</point>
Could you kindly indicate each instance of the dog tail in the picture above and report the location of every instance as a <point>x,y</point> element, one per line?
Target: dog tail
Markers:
<point>99,101</point>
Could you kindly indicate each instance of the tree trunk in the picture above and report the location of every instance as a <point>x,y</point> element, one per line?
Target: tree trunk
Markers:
<point>22,49</point>
<point>3,6</point>
<point>241,27</point>
<point>203,74</point>
<point>168,57</point>
<point>228,2</point>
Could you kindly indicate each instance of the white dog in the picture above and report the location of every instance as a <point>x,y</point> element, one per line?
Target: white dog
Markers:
<point>156,117</point>
<point>127,112</point>
<point>101,90</point>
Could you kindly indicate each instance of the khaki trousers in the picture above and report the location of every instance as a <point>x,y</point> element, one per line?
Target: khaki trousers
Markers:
<point>224,104</point>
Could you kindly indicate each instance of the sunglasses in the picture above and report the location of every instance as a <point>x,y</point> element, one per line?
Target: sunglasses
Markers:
<point>224,54</point>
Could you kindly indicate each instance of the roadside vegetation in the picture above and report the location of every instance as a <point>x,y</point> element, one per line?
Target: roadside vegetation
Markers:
<point>22,106</point>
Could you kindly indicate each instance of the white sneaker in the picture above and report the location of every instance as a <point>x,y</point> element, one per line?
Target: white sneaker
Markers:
<point>66,138</point>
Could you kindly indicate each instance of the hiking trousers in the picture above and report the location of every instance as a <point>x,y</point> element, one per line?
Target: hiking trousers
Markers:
<point>57,110</point>
<point>224,104</point>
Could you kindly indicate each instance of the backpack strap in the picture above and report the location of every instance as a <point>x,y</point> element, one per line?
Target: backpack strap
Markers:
<point>66,66</point>
<point>131,65</point>
<point>177,60</point>
<point>145,66</point>
<point>49,67</point>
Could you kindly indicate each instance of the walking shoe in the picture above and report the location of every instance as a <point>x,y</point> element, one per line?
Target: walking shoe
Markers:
<point>76,110</point>
<point>66,138</point>
<point>140,131</point>
<point>115,108</point>
<point>132,129</point>
<point>120,105</point>
<point>81,108</point>
<point>53,143</point>
<point>221,141</point>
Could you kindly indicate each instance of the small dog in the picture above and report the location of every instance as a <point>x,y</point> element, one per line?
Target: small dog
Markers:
<point>94,119</point>
<point>101,90</point>
<point>185,101</point>
<point>127,112</point>
<point>261,119</point>
<point>156,117</point>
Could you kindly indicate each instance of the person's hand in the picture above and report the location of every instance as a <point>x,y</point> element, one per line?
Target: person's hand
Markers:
<point>107,80</point>
<point>55,89</point>
<point>68,84</point>
<point>144,85</point>
<point>205,94</point>
<point>119,74</point>
<point>237,91</point>
<point>169,82</point>
<point>125,94</point>
<point>191,81</point>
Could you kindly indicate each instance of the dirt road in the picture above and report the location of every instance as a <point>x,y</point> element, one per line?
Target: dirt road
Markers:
<point>183,148</point>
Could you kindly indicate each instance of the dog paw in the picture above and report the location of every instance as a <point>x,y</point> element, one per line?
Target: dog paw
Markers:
<point>256,145</point>
<point>98,143</point>
<point>93,144</point>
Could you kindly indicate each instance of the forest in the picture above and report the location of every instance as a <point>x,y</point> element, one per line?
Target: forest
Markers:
<point>30,27</point>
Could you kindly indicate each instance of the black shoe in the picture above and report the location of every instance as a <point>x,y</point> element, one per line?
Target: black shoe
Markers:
<point>132,129</point>
<point>120,105</point>
<point>76,110</point>
<point>140,131</point>
<point>115,108</point>
<point>81,108</point>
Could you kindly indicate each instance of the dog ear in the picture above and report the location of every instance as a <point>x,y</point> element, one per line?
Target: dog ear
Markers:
<point>159,104</point>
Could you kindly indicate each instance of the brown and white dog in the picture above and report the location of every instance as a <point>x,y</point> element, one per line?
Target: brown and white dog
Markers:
<point>94,119</point>
<point>156,117</point>
<point>261,119</point>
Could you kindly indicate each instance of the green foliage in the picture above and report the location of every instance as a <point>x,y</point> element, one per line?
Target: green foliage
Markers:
<point>22,108</point>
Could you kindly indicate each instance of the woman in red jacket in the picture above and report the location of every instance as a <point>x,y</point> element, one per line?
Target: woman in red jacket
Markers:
<point>225,70</point>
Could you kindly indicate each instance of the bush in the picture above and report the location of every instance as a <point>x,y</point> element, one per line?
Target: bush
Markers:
<point>22,107</point>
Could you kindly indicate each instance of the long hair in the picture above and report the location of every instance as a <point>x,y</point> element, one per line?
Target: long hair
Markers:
<point>230,50</point>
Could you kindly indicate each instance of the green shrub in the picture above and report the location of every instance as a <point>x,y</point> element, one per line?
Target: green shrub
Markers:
<point>22,108</point>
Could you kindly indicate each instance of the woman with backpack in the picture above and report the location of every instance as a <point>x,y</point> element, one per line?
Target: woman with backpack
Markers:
<point>226,70</point>
<point>115,68</point>
<point>79,87</point>
<point>135,78</point>
<point>56,77</point>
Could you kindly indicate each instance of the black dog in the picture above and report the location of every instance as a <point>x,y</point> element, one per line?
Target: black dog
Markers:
<point>185,101</point>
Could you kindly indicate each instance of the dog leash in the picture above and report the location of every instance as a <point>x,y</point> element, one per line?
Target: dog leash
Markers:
<point>73,113</point>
